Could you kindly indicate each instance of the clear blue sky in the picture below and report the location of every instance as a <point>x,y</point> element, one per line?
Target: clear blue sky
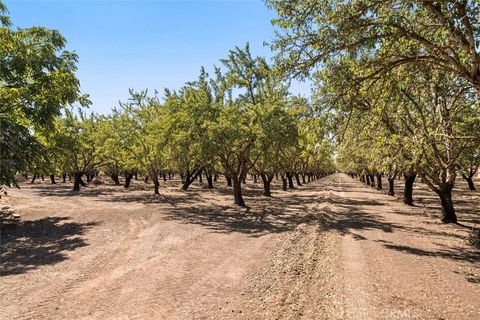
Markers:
<point>148,44</point>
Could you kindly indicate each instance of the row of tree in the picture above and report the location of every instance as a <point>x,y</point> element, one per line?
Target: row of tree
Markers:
<point>37,81</point>
<point>401,81</point>
<point>241,121</point>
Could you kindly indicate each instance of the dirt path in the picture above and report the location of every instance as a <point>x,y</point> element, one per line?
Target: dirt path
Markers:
<point>375,258</point>
<point>134,261</point>
<point>330,250</point>
<point>401,264</point>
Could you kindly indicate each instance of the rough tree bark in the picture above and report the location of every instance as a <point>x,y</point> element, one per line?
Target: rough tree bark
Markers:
<point>391,184</point>
<point>448,211</point>
<point>372,181</point>
<point>189,178</point>
<point>367,179</point>
<point>77,181</point>
<point>284,183</point>
<point>267,180</point>
<point>114,177</point>
<point>469,179</point>
<point>408,191</point>
<point>297,177</point>
<point>379,182</point>
<point>156,184</point>
<point>290,181</point>
<point>128,179</point>
<point>209,180</point>
<point>237,192</point>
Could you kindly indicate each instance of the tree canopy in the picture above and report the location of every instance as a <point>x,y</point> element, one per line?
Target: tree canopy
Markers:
<point>38,81</point>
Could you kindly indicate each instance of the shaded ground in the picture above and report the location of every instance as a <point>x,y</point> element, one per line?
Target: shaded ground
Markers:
<point>373,258</point>
<point>333,249</point>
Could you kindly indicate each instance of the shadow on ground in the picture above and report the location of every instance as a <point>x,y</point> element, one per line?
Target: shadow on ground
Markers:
<point>264,215</point>
<point>353,214</point>
<point>32,244</point>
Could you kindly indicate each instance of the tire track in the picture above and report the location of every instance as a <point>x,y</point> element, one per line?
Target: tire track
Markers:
<point>100,265</point>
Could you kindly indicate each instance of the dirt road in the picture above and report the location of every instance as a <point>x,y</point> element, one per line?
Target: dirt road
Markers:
<point>332,249</point>
<point>398,264</point>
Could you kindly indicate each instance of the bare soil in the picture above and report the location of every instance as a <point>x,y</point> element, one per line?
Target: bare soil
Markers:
<point>332,249</point>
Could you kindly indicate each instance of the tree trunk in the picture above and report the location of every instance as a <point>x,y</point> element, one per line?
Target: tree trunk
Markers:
<point>114,177</point>
<point>471,185</point>
<point>146,179</point>
<point>284,183</point>
<point>186,181</point>
<point>391,185</point>
<point>156,183</point>
<point>372,181</point>
<point>254,178</point>
<point>267,180</point>
<point>237,192</point>
<point>64,177</point>
<point>209,181</point>
<point>379,182</point>
<point>408,192</point>
<point>77,181</point>
<point>215,177</point>
<point>33,178</point>
<point>189,178</point>
<point>303,179</point>
<point>128,178</point>
<point>297,177</point>
<point>164,177</point>
<point>448,211</point>
<point>290,181</point>
<point>52,179</point>
<point>367,178</point>
<point>43,178</point>
<point>229,181</point>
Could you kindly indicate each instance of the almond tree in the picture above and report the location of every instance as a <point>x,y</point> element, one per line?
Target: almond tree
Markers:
<point>78,143</point>
<point>143,133</point>
<point>390,34</point>
<point>431,116</point>
<point>237,126</point>
<point>37,81</point>
<point>190,111</point>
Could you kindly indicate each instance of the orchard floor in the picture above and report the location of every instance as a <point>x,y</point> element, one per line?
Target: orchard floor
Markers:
<point>331,249</point>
